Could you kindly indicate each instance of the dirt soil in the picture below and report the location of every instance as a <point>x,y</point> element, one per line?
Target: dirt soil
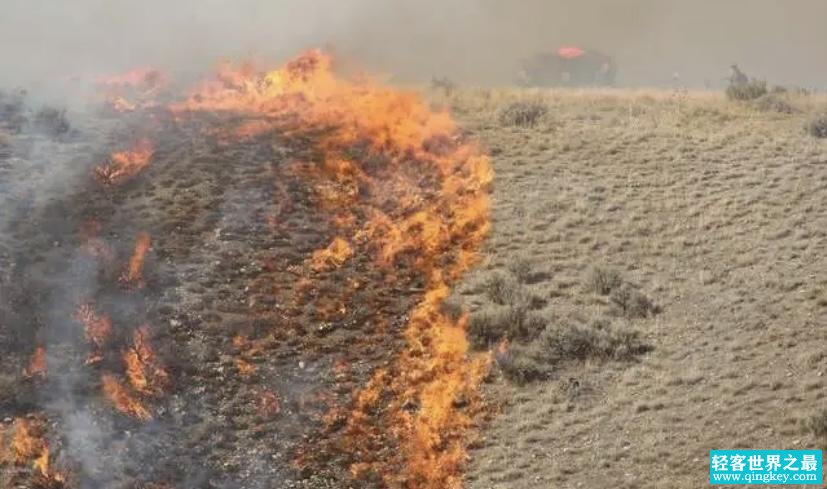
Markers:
<point>715,210</point>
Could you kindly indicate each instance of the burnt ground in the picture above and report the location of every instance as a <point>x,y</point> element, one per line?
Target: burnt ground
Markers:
<point>258,347</point>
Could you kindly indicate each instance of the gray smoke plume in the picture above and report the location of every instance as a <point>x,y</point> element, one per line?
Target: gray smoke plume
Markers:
<point>473,41</point>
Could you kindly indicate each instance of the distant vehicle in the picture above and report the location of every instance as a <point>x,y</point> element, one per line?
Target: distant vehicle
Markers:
<point>568,66</point>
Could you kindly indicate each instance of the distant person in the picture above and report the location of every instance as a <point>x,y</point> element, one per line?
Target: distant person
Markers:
<point>737,77</point>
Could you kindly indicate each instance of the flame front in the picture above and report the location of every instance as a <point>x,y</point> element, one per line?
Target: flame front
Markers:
<point>424,207</point>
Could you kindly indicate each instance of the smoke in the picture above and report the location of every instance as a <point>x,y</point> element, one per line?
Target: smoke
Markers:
<point>474,41</point>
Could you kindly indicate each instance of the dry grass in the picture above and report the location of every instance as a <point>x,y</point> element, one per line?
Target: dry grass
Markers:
<point>523,113</point>
<point>708,210</point>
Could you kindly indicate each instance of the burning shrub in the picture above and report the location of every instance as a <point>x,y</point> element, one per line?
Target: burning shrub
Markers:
<point>817,126</point>
<point>124,165</point>
<point>523,113</point>
<point>51,121</point>
<point>750,90</point>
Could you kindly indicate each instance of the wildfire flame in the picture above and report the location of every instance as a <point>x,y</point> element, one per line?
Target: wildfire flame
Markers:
<point>123,400</point>
<point>28,447</point>
<point>37,363</point>
<point>143,370</point>
<point>140,84</point>
<point>331,257</point>
<point>132,275</point>
<point>96,327</point>
<point>126,164</point>
<point>426,206</point>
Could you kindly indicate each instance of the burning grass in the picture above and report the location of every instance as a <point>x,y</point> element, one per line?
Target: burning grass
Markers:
<point>126,164</point>
<point>132,277</point>
<point>406,188</point>
<point>25,445</point>
<point>395,199</point>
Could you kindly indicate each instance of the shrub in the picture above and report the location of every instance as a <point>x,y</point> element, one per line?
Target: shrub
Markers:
<point>603,280</point>
<point>525,363</point>
<point>597,340</point>
<point>566,343</point>
<point>632,302</point>
<point>817,126</point>
<point>523,113</point>
<point>487,326</point>
<point>817,424</point>
<point>501,290</point>
<point>750,90</point>
<point>515,322</point>
<point>520,267</point>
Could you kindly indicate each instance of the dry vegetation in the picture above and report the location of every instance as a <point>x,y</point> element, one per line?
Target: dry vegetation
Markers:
<point>657,267</point>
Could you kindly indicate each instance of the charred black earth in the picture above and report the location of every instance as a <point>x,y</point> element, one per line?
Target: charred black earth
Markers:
<point>255,347</point>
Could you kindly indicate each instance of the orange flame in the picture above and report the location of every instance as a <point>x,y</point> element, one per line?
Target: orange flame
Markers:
<point>132,275</point>
<point>37,363</point>
<point>141,84</point>
<point>144,78</point>
<point>96,327</point>
<point>331,257</point>
<point>142,368</point>
<point>124,165</point>
<point>28,446</point>
<point>246,348</point>
<point>122,399</point>
<point>422,202</point>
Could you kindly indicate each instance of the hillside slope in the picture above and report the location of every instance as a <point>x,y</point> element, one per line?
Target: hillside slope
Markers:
<point>712,210</point>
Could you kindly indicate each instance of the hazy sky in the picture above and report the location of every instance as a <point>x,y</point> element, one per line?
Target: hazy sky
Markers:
<point>474,41</point>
